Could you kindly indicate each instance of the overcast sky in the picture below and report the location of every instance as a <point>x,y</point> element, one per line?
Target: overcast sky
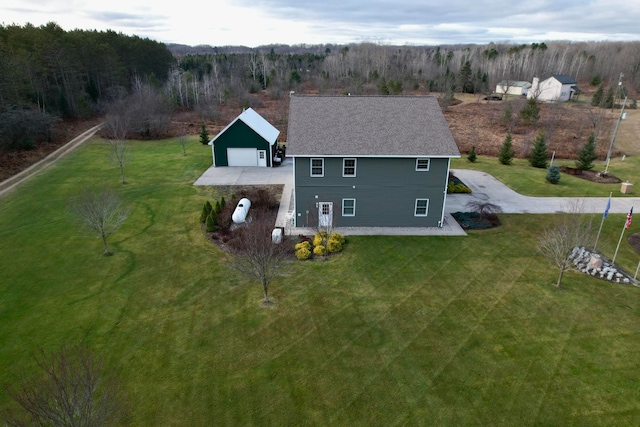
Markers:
<point>399,22</point>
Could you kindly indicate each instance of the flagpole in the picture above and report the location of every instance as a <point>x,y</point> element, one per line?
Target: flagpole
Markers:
<point>606,212</point>
<point>627,224</point>
<point>613,261</point>
<point>636,275</point>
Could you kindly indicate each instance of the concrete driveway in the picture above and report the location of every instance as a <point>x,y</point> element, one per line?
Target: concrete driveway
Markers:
<point>485,187</point>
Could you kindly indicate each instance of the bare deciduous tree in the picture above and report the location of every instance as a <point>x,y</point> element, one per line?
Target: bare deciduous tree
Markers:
<point>71,390</point>
<point>100,211</point>
<point>182,140</point>
<point>484,209</point>
<point>117,125</point>
<point>571,229</point>
<point>256,255</point>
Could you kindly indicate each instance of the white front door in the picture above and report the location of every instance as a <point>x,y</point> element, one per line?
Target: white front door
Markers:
<point>262,158</point>
<point>325,214</point>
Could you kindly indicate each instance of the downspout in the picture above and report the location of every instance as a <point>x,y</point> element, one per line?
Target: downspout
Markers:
<point>444,200</point>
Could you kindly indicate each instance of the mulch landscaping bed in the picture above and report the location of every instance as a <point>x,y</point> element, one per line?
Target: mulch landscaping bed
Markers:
<point>474,221</point>
<point>591,175</point>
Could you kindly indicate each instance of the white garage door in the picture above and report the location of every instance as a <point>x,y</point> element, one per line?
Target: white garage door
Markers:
<point>242,157</point>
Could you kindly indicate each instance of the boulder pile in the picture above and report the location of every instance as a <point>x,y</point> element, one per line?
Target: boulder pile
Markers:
<point>595,265</point>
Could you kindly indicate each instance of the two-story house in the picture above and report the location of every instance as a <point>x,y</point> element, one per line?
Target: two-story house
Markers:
<point>369,161</point>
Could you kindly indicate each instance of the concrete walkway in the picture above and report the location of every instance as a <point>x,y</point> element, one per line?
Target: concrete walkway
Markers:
<point>484,188</point>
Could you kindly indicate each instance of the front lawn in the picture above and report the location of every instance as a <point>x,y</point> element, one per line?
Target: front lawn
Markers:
<point>394,331</point>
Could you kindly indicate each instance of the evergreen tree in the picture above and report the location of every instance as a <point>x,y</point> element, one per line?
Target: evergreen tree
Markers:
<point>211,223</point>
<point>538,157</point>
<point>204,135</point>
<point>206,210</point>
<point>472,154</point>
<point>587,154</point>
<point>218,207</point>
<point>465,81</point>
<point>553,174</point>
<point>596,99</point>
<point>608,99</point>
<point>222,202</point>
<point>530,113</point>
<point>506,151</point>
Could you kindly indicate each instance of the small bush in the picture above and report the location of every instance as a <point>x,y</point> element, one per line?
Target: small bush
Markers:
<point>457,188</point>
<point>334,245</point>
<point>211,223</point>
<point>303,253</point>
<point>320,250</point>
<point>337,236</point>
<point>320,238</point>
<point>472,157</point>
<point>553,175</point>
<point>306,245</point>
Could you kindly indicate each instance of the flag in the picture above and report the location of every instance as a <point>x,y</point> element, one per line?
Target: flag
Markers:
<point>606,209</point>
<point>629,215</point>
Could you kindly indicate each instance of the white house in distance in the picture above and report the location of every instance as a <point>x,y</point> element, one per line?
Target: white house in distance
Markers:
<point>513,87</point>
<point>557,88</point>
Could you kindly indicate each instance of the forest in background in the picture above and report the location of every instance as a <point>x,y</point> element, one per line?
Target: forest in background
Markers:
<point>48,75</point>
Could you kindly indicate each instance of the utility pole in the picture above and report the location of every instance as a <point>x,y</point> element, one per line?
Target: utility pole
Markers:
<point>615,132</point>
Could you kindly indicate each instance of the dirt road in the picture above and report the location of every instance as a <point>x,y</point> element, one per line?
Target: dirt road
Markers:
<point>10,183</point>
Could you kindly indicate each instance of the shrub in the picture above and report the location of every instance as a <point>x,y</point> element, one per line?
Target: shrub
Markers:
<point>211,223</point>
<point>206,210</point>
<point>306,245</point>
<point>218,208</point>
<point>319,238</point>
<point>320,250</point>
<point>337,236</point>
<point>472,154</point>
<point>461,188</point>
<point>204,135</point>
<point>303,253</point>
<point>553,174</point>
<point>334,245</point>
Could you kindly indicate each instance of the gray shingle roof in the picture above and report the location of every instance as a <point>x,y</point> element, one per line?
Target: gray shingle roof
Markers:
<point>368,126</point>
<point>564,79</point>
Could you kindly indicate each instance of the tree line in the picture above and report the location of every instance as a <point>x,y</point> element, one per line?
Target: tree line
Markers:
<point>48,74</point>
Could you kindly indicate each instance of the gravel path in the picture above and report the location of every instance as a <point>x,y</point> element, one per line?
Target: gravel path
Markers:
<point>10,183</point>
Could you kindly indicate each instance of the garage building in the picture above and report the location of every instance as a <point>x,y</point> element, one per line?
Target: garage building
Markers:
<point>249,140</point>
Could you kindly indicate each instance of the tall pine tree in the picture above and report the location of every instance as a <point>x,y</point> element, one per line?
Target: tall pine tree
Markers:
<point>587,154</point>
<point>506,151</point>
<point>539,154</point>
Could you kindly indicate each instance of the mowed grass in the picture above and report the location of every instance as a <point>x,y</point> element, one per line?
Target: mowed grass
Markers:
<point>393,331</point>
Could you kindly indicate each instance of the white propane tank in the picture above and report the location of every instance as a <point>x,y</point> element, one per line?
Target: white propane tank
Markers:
<point>240,213</point>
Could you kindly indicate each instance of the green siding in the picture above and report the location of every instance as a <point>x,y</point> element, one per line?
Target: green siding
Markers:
<point>385,190</point>
<point>238,135</point>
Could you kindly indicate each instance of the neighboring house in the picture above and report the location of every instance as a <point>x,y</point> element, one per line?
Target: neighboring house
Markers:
<point>558,88</point>
<point>369,161</point>
<point>513,87</point>
<point>249,140</point>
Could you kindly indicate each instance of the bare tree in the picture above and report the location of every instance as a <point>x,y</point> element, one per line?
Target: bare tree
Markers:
<point>571,229</point>
<point>182,140</point>
<point>484,209</point>
<point>100,211</point>
<point>117,125</point>
<point>72,389</point>
<point>256,255</point>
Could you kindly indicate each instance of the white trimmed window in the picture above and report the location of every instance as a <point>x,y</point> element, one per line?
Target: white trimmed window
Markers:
<point>422,207</point>
<point>348,207</point>
<point>317,167</point>
<point>348,167</point>
<point>422,164</point>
